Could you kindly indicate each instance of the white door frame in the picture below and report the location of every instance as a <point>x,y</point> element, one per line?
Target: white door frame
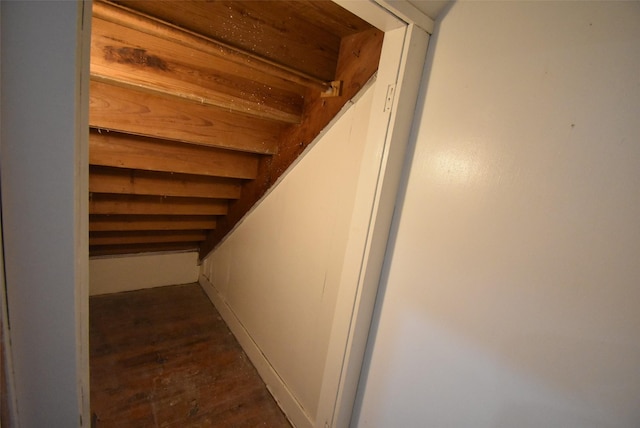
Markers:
<point>399,76</point>
<point>44,166</point>
<point>403,57</point>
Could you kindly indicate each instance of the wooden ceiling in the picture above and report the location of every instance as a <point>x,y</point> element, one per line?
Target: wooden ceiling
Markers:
<point>197,107</point>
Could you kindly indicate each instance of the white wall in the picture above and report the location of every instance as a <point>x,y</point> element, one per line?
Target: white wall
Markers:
<point>511,293</point>
<point>135,272</point>
<point>44,209</point>
<point>279,270</point>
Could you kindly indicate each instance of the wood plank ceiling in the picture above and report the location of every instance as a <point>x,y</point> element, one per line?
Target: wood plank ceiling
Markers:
<point>197,107</point>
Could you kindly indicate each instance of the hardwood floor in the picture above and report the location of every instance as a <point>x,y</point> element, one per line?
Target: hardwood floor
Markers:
<point>163,357</point>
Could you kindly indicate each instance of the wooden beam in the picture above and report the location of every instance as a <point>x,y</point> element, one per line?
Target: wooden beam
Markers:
<point>329,15</point>
<point>108,250</point>
<point>135,112</point>
<point>127,204</point>
<point>105,223</point>
<point>242,36</point>
<point>136,182</point>
<point>144,237</point>
<point>359,58</point>
<point>129,151</point>
<point>130,57</point>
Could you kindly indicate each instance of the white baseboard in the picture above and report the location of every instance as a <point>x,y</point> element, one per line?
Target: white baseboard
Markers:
<point>285,398</point>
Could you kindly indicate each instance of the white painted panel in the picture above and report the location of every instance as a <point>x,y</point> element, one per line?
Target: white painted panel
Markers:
<point>377,189</point>
<point>127,273</point>
<point>279,270</point>
<point>511,295</point>
<point>44,208</point>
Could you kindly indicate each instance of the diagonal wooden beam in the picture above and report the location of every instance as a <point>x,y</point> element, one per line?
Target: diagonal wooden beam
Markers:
<point>129,151</point>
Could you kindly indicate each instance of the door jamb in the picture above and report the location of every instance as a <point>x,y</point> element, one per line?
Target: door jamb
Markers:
<point>395,98</point>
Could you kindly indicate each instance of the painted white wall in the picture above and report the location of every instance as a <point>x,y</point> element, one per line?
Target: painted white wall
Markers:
<point>279,270</point>
<point>44,209</point>
<point>511,293</point>
<point>136,272</point>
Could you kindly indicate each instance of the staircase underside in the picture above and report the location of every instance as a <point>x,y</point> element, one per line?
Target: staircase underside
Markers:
<point>197,107</point>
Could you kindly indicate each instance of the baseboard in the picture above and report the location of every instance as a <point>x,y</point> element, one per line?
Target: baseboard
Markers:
<point>286,400</point>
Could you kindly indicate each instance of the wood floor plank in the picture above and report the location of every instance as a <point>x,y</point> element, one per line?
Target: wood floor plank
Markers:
<point>164,358</point>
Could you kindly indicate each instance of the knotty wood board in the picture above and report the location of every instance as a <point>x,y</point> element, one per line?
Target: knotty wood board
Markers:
<point>137,112</point>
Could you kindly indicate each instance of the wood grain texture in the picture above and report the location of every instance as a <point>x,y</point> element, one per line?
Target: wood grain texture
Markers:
<point>294,140</point>
<point>131,57</point>
<point>141,113</point>
<point>137,182</point>
<point>129,151</point>
<point>163,357</point>
<point>4,391</point>
<point>237,61</point>
<point>189,101</point>
<point>288,35</point>
<point>101,203</point>
<point>145,237</point>
<point>114,223</point>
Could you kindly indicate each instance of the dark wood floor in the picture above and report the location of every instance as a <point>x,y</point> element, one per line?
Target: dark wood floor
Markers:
<point>164,358</point>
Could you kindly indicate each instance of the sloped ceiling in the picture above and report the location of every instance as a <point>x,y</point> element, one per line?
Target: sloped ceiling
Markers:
<point>197,107</point>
